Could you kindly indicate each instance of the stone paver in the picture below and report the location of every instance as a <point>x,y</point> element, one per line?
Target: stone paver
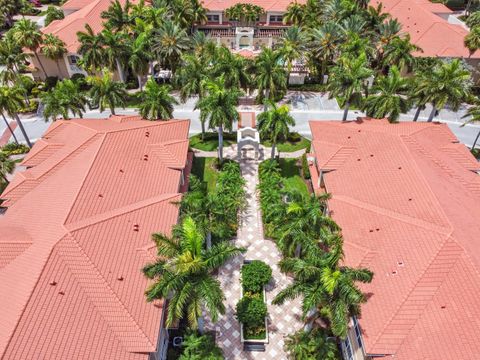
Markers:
<point>284,319</point>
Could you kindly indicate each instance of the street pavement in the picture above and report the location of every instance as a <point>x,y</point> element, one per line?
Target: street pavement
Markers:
<point>305,106</point>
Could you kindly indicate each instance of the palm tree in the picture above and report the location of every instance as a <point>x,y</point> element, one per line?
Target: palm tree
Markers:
<point>446,84</point>
<point>183,274</point>
<point>270,76</point>
<point>219,106</point>
<point>232,67</point>
<point>315,344</point>
<point>12,57</point>
<point>54,49</point>
<point>6,167</point>
<point>474,114</point>
<point>118,17</point>
<point>11,100</point>
<point>157,103</point>
<point>91,49</point>
<point>53,13</point>
<point>328,290</point>
<point>169,43</point>
<point>324,44</point>
<point>472,40</point>
<point>389,96</point>
<point>399,51</point>
<point>295,14</point>
<point>348,79</point>
<point>105,92</point>
<point>196,346</point>
<point>65,98</point>
<point>26,33</point>
<point>292,46</point>
<point>115,50</point>
<point>140,57</point>
<point>274,124</point>
<point>191,77</point>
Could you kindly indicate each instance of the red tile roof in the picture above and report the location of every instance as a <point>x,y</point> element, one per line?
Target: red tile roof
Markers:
<point>267,5</point>
<point>434,34</point>
<point>408,201</point>
<point>70,256</point>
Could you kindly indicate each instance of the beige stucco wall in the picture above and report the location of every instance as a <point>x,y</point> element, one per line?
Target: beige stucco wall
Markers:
<point>50,67</point>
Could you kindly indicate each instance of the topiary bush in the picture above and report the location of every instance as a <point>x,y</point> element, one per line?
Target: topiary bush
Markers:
<point>305,168</point>
<point>251,311</point>
<point>255,275</point>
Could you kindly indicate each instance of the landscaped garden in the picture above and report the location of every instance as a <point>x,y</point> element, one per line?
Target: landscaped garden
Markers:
<point>293,142</point>
<point>209,141</point>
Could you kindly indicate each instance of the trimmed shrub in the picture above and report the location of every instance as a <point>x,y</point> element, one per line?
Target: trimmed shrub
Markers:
<point>251,310</point>
<point>53,13</point>
<point>255,275</point>
<point>14,149</point>
<point>305,168</point>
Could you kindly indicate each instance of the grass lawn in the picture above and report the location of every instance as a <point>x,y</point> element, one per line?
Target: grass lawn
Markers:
<point>205,169</point>
<point>293,143</point>
<point>291,173</point>
<point>210,142</point>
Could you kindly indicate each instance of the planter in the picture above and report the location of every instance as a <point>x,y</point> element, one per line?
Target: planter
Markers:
<point>263,339</point>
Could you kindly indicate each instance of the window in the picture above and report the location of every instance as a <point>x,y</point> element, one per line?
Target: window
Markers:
<point>347,349</point>
<point>358,333</point>
<point>73,59</point>
<point>276,18</point>
<point>213,18</point>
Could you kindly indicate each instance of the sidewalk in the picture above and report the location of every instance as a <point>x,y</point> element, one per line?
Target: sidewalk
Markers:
<point>282,320</point>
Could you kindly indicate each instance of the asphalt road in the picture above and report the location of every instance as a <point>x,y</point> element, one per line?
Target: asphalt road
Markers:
<point>304,107</point>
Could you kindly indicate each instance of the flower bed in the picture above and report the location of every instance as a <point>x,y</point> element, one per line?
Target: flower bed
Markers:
<point>252,308</point>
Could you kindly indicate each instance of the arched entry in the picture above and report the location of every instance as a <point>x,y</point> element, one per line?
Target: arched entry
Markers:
<point>244,42</point>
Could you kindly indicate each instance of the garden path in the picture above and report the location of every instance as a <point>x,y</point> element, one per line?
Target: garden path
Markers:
<point>282,320</point>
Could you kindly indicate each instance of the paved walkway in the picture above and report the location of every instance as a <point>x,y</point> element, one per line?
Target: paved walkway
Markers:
<point>284,319</point>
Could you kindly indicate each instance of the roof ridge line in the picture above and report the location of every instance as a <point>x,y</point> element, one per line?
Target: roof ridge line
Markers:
<point>394,215</point>
<point>414,286</point>
<point>94,266</point>
<point>98,218</point>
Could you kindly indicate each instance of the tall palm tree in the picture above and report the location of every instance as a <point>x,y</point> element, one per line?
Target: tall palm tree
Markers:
<point>11,100</point>
<point>324,44</point>
<point>446,84</point>
<point>26,33</point>
<point>232,67</point>
<point>157,103</point>
<point>53,48</point>
<point>6,167</point>
<point>270,76</point>
<point>91,49</point>
<point>295,14</point>
<point>219,106</point>
<point>274,124</point>
<point>472,40</point>
<point>62,100</point>
<point>118,18</point>
<point>388,96</point>
<point>348,79</point>
<point>192,77</point>
<point>169,43</point>
<point>115,51</point>
<point>293,45</point>
<point>399,52</point>
<point>140,56</point>
<point>183,274</point>
<point>474,114</point>
<point>325,286</point>
<point>11,55</point>
<point>105,92</point>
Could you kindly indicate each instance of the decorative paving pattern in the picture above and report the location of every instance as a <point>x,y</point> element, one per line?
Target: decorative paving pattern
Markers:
<point>284,319</point>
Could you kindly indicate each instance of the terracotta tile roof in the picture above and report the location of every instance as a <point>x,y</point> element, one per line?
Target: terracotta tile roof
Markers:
<point>267,5</point>
<point>70,253</point>
<point>408,201</point>
<point>75,4</point>
<point>434,34</point>
<point>67,28</point>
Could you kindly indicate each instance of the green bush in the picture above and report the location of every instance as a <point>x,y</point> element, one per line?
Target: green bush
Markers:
<point>29,108</point>
<point>255,275</point>
<point>251,310</point>
<point>196,346</point>
<point>53,13</point>
<point>50,82</point>
<point>305,168</point>
<point>81,81</point>
<point>14,149</point>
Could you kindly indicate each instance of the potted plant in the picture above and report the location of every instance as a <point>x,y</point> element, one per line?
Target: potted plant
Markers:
<point>252,308</point>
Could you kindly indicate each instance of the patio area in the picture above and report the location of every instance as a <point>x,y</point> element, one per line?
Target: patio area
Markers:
<point>282,320</point>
